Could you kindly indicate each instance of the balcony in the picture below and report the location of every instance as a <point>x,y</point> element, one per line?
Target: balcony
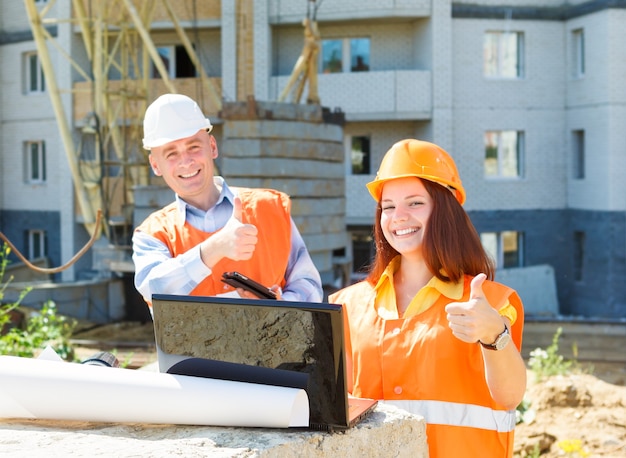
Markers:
<point>368,96</point>
<point>292,11</point>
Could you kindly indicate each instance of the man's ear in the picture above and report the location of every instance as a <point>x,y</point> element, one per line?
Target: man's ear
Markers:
<point>153,164</point>
<point>214,150</point>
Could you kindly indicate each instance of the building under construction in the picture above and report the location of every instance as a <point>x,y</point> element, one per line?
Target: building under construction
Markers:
<point>528,99</point>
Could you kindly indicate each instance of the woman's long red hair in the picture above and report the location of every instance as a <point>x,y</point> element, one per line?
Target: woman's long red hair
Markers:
<point>451,245</point>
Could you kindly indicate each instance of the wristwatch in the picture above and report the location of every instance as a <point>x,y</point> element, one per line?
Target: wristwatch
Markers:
<point>501,341</point>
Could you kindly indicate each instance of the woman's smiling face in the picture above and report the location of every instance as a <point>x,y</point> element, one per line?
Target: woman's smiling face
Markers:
<point>406,207</point>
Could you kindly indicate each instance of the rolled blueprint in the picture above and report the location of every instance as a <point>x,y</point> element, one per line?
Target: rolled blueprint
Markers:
<point>52,390</point>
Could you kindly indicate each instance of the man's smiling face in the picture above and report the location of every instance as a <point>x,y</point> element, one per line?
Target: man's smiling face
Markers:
<point>187,167</point>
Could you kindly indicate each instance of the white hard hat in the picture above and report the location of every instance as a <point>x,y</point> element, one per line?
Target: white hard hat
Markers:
<point>172,117</point>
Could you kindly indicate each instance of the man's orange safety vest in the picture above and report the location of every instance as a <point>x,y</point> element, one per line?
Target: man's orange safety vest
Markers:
<point>417,364</point>
<point>267,209</point>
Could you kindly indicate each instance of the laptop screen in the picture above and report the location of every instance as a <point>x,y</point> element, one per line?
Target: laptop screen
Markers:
<point>298,338</point>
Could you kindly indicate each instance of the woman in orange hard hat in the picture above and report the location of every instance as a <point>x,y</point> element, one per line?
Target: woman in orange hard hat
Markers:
<point>429,330</point>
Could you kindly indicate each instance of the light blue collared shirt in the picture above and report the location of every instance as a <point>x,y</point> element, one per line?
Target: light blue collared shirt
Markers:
<point>157,272</point>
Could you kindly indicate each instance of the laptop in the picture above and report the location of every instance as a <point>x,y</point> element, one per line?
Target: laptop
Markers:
<point>294,344</point>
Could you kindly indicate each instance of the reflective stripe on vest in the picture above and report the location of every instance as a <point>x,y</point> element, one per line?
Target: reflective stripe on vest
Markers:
<point>456,414</point>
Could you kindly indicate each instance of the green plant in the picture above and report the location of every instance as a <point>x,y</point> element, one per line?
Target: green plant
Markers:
<point>524,413</point>
<point>42,328</point>
<point>6,309</point>
<point>545,363</point>
<point>535,453</point>
<point>124,363</point>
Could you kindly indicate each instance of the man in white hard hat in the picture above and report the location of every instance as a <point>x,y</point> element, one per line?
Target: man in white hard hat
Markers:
<point>212,228</point>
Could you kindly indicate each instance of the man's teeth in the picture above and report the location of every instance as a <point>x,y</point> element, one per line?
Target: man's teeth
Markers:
<point>405,231</point>
<point>189,175</point>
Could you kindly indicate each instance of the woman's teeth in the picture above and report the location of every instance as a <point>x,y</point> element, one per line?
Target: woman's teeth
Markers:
<point>405,231</point>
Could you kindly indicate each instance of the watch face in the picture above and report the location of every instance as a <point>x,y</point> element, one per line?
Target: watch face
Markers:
<point>502,341</point>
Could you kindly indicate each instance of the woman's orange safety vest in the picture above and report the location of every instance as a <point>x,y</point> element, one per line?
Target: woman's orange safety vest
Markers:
<point>417,364</point>
<point>267,209</point>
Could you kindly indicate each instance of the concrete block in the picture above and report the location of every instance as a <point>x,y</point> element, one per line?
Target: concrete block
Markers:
<point>328,241</point>
<point>321,259</point>
<point>280,167</point>
<point>140,214</point>
<point>385,432</point>
<point>293,149</point>
<point>315,224</point>
<point>294,187</point>
<point>309,207</point>
<point>283,130</point>
<point>252,109</point>
<point>152,196</point>
<point>536,286</point>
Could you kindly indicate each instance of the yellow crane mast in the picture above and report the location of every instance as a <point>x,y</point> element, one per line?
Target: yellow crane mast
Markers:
<point>117,40</point>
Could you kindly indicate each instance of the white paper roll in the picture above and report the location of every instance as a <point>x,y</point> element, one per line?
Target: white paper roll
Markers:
<point>32,388</point>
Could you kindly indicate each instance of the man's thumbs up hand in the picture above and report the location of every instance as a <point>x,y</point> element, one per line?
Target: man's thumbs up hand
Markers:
<point>239,239</point>
<point>235,240</point>
<point>237,209</point>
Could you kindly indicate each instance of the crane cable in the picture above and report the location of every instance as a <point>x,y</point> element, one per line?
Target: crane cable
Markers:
<point>77,256</point>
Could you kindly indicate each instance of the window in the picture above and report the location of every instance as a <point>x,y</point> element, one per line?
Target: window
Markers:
<point>34,77</point>
<point>506,248</point>
<point>360,54</point>
<point>578,153</point>
<point>503,154</point>
<point>578,41</point>
<point>579,255</point>
<point>502,54</point>
<point>360,155</point>
<point>36,244</point>
<point>332,56</point>
<point>35,161</point>
<point>345,55</point>
<point>177,62</point>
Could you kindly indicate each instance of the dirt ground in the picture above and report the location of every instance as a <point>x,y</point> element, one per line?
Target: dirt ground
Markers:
<point>578,415</point>
<point>131,342</point>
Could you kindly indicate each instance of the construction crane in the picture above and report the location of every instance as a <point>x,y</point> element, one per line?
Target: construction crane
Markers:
<point>108,161</point>
<point>305,69</point>
<point>116,39</point>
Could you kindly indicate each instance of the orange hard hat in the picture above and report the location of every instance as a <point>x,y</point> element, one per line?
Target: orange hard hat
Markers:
<point>416,158</point>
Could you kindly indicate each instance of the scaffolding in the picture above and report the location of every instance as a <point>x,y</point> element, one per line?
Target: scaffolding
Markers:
<point>105,157</point>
